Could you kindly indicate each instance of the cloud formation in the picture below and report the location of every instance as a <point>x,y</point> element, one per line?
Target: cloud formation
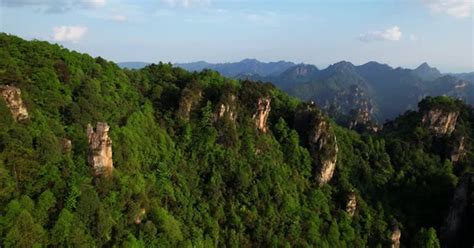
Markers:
<point>391,34</point>
<point>456,8</point>
<point>186,3</point>
<point>55,6</point>
<point>69,33</point>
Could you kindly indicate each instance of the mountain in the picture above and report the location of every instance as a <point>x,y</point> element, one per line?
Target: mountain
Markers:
<point>93,155</point>
<point>364,94</point>
<point>288,78</point>
<point>133,65</point>
<point>427,73</point>
<point>465,76</point>
<point>383,92</point>
<point>245,67</point>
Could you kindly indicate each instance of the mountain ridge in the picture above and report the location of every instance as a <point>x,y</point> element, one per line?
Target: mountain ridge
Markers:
<point>390,91</point>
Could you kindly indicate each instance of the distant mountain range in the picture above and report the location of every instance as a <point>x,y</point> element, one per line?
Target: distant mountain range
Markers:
<point>235,69</point>
<point>133,64</point>
<point>352,95</point>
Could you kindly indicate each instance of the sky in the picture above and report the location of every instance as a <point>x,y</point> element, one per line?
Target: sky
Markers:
<point>402,33</point>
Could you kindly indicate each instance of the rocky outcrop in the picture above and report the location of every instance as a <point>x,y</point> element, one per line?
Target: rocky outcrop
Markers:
<point>459,150</point>
<point>439,121</point>
<point>395,237</point>
<point>12,97</point>
<point>321,141</point>
<point>362,108</point>
<point>66,145</point>
<point>351,205</point>
<point>190,97</point>
<point>227,109</point>
<point>457,231</point>
<point>352,108</point>
<point>139,216</point>
<point>261,115</point>
<point>100,149</point>
<point>324,147</point>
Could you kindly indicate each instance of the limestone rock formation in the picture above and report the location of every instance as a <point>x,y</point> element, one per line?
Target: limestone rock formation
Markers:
<point>139,216</point>
<point>190,97</point>
<point>457,231</point>
<point>351,205</point>
<point>100,149</point>
<point>459,150</point>
<point>261,115</point>
<point>12,97</point>
<point>66,145</point>
<point>395,237</point>
<point>324,146</point>
<point>321,141</point>
<point>439,121</point>
<point>227,109</point>
<point>361,105</point>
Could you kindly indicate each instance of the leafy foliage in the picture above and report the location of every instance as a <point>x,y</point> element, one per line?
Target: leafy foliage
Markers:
<point>199,181</point>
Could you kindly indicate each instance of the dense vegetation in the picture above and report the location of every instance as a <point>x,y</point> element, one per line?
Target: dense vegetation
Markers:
<point>202,182</point>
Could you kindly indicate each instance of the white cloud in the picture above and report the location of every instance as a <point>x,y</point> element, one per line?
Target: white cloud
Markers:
<point>456,8</point>
<point>186,3</point>
<point>69,33</point>
<point>391,34</point>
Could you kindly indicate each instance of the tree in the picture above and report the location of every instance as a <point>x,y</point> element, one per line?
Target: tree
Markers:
<point>426,238</point>
<point>25,232</point>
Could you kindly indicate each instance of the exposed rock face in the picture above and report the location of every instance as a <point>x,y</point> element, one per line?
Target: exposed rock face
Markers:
<point>227,109</point>
<point>139,216</point>
<point>190,97</point>
<point>66,145</point>
<point>324,146</point>
<point>362,107</point>
<point>440,122</point>
<point>395,237</point>
<point>100,149</point>
<point>459,150</point>
<point>12,97</point>
<point>320,140</point>
<point>352,108</point>
<point>261,115</point>
<point>351,205</point>
<point>457,231</point>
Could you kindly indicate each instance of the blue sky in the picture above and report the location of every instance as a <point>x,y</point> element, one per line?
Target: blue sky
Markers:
<point>321,32</point>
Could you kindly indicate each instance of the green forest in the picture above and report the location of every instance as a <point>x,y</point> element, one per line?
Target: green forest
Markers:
<point>200,160</point>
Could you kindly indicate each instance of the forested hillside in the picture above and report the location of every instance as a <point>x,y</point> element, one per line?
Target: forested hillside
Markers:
<point>367,94</point>
<point>94,155</point>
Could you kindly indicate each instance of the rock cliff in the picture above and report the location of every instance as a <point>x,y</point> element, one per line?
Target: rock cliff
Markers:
<point>457,231</point>
<point>100,149</point>
<point>66,145</point>
<point>227,109</point>
<point>320,139</point>
<point>261,115</point>
<point>439,121</point>
<point>139,216</point>
<point>459,150</point>
<point>395,237</point>
<point>351,205</point>
<point>190,97</point>
<point>12,97</point>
